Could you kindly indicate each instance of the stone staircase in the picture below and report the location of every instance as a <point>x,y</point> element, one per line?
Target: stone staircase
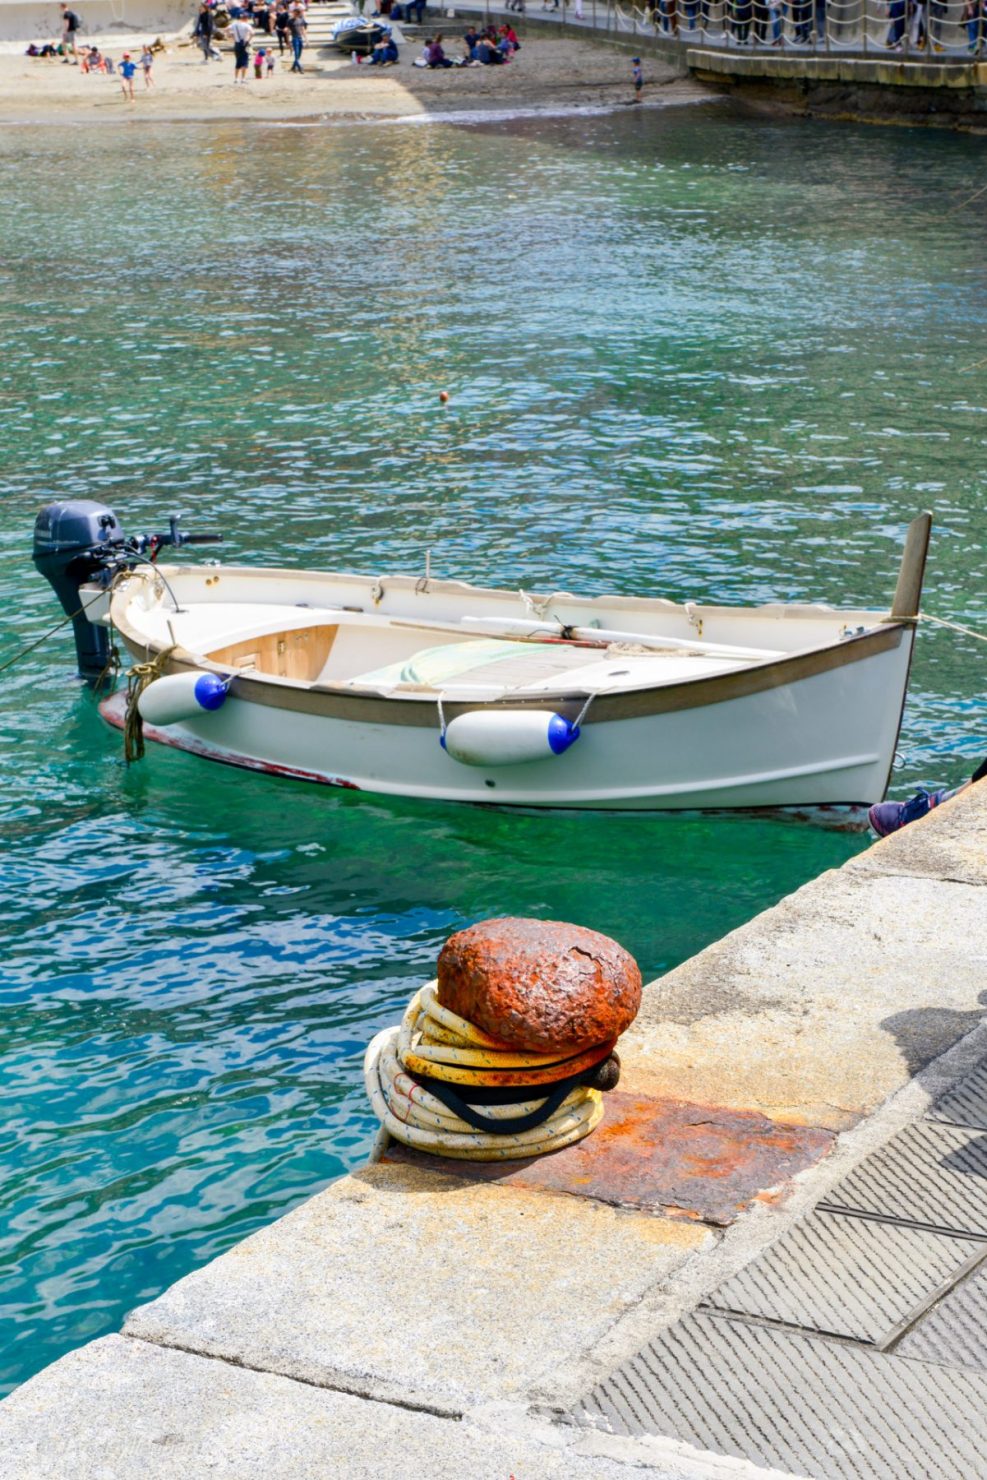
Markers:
<point>322,17</point>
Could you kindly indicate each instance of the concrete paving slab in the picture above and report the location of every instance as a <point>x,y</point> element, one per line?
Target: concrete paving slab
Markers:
<point>966,1103</point>
<point>418,1287</point>
<point>692,1161</point>
<point>949,843</point>
<point>955,1333</point>
<point>927,1173</point>
<point>820,1008</point>
<point>119,1409</point>
<point>851,1277</point>
<point>830,1410</point>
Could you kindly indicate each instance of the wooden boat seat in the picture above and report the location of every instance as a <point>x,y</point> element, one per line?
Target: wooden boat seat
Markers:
<point>300,653</point>
<point>498,662</point>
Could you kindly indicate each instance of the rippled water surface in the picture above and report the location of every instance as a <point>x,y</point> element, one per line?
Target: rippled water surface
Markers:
<point>689,354</point>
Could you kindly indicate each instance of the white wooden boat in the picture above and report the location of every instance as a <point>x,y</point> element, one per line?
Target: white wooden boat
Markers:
<point>438,689</point>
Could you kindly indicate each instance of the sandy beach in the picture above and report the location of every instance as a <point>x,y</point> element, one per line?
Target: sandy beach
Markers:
<point>546,74</point>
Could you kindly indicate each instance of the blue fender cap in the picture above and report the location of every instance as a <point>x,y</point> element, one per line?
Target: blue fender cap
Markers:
<point>561,734</point>
<point>210,691</point>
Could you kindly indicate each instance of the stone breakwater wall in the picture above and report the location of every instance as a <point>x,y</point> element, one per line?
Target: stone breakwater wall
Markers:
<point>22,21</point>
<point>422,1315</point>
<point>883,88</point>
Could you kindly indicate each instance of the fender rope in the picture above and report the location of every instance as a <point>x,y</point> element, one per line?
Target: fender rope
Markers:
<point>138,679</point>
<point>426,1078</point>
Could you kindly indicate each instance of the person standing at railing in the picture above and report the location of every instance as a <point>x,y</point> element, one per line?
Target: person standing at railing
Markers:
<point>917,34</point>
<point>820,21</point>
<point>896,28</point>
<point>802,21</point>
<point>972,12</point>
<point>742,12</point>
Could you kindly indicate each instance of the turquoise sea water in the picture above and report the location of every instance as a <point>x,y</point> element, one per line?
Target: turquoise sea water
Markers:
<point>689,354</point>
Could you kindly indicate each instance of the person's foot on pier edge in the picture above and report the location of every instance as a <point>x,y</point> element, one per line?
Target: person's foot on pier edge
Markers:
<point>888,817</point>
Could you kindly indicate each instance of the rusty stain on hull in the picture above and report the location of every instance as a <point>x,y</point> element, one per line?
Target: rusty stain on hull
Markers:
<point>705,1163</point>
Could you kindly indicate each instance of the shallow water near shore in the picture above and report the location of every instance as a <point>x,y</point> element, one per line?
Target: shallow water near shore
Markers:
<point>689,354</point>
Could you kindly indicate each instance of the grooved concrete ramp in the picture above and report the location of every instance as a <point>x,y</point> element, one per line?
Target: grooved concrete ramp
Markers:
<point>954,1333</point>
<point>824,1409</point>
<point>851,1277</point>
<point>966,1104</point>
<point>931,1174</point>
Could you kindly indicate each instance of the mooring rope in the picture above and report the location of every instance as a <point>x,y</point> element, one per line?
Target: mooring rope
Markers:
<point>954,626</point>
<point>138,679</point>
<point>50,633</point>
<point>442,1085</point>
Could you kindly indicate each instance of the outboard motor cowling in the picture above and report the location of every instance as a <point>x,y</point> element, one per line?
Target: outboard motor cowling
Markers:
<point>72,540</point>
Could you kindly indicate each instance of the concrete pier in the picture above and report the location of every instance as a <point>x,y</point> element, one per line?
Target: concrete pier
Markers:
<point>784,1213</point>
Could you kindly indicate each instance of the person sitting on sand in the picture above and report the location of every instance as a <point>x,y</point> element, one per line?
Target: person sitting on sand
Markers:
<point>385,53</point>
<point>436,54</point>
<point>509,32</point>
<point>91,61</point>
<point>487,54</point>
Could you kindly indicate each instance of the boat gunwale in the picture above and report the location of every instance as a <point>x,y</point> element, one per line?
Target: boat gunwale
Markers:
<point>421,585</point>
<point>369,706</point>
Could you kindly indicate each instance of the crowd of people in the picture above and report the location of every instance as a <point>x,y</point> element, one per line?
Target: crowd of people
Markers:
<point>91,60</point>
<point>282,22</point>
<point>490,46</point>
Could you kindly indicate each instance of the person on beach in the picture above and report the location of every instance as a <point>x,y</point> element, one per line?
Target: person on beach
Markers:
<point>147,65</point>
<point>259,64</point>
<point>282,27</point>
<point>70,25</point>
<point>128,70</point>
<point>385,53</point>
<point>637,77</point>
<point>205,28</point>
<point>241,32</point>
<point>888,817</point>
<point>269,60</point>
<point>436,53</point>
<point>297,28</point>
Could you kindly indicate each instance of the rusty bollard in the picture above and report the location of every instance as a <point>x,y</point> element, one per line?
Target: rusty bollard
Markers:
<point>506,1054</point>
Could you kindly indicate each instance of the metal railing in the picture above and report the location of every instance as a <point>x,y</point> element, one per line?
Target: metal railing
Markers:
<point>922,30</point>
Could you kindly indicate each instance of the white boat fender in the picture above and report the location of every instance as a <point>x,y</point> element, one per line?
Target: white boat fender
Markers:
<point>507,737</point>
<point>180,696</point>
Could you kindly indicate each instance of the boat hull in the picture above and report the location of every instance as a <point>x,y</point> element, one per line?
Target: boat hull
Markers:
<point>807,734</point>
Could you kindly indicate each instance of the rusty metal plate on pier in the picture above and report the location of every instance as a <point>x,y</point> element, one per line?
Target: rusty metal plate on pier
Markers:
<point>844,1276</point>
<point>930,1174</point>
<point>966,1103</point>
<point>811,1407</point>
<point>702,1162</point>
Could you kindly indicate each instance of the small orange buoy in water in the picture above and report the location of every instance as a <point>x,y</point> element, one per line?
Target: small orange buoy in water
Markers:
<point>443,396</point>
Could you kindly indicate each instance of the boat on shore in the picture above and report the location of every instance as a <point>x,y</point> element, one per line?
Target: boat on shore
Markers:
<point>443,690</point>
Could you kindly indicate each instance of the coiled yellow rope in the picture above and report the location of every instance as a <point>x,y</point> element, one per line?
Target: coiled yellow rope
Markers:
<point>437,1043</point>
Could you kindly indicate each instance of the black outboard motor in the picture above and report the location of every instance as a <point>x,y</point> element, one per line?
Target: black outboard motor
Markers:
<point>78,542</point>
<point>72,540</point>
